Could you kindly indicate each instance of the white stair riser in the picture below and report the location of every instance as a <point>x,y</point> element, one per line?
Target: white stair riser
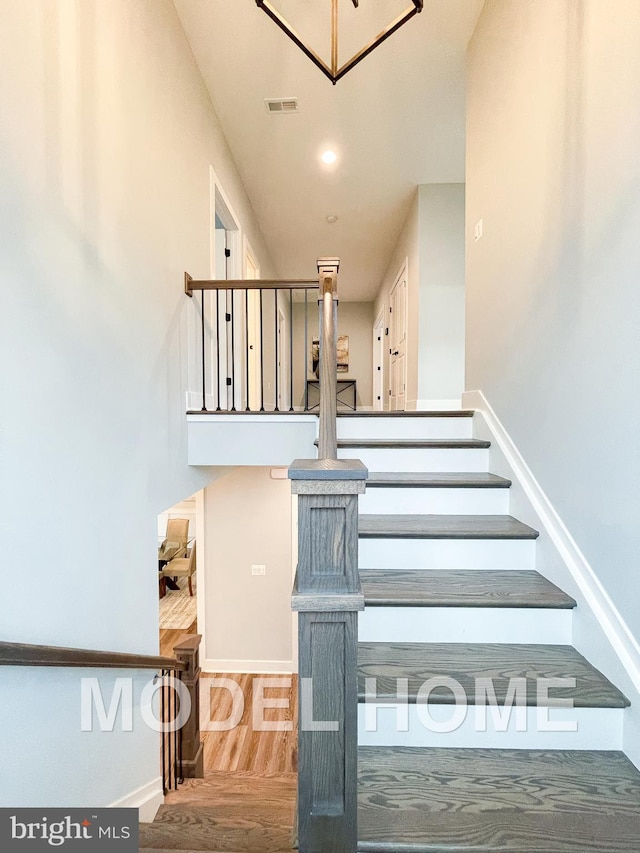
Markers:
<point>419,458</point>
<point>464,625</point>
<point>405,428</point>
<point>446,553</point>
<point>409,501</point>
<point>597,728</point>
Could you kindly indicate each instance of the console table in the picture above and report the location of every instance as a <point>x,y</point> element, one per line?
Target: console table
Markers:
<point>345,394</point>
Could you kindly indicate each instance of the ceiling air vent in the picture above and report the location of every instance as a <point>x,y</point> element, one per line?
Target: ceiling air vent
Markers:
<point>281,105</point>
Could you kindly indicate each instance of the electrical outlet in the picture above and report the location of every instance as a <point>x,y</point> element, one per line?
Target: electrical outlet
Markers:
<point>478,231</point>
<point>258,570</point>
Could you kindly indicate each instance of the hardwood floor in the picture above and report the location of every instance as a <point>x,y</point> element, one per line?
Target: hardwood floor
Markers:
<point>170,636</point>
<point>246,800</point>
<point>241,812</point>
<point>243,748</point>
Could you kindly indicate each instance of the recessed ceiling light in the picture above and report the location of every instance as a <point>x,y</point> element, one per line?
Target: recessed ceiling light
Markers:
<point>331,219</point>
<point>329,157</point>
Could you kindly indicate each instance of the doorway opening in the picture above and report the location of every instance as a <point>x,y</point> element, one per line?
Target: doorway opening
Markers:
<point>178,539</point>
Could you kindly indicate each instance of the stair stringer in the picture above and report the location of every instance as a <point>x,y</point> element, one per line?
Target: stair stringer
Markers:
<point>600,633</point>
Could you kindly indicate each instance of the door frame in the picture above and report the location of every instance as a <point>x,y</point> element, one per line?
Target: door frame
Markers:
<point>220,207</point>
<point>402,274</point>
<point>378,349</point>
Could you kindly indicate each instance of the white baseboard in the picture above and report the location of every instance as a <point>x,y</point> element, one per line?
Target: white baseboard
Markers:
<point>146,799</point>
<point>432,405</point>
<point>259,667</point>
<point>593,594</point>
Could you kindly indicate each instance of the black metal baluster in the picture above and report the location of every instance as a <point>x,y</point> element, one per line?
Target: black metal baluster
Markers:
<point>306,350</point>
<point>246,338</point>
<point>291,292</point>
<point>233,355</point>
<point>204,392</point>
<point>261,357</point>
<point>164,741</point>
<point>277,367</point>
<point>218,349</point>
<point>181,774</point>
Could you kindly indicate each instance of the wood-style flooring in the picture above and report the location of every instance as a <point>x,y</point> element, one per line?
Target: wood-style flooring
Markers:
<point>239,812</point>
<point>244,748</point>
<point>246,801</point>
<point>514,801</point>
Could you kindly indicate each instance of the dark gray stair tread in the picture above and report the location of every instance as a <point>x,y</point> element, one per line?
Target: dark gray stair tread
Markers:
<point>229,827</point>
<point>443,527</point>
<point>450,413</point>
<point>444,480</point>
<point>411,443</point>
<point>465,662</point>
<point>461,588</point>
<point>415,800</point>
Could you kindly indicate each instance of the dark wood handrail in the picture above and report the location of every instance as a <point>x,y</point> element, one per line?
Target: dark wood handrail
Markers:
<point>23,654</point>
<point>191,284</point>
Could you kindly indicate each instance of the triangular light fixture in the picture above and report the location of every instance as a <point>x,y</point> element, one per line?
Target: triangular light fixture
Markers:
<point>334,72</point>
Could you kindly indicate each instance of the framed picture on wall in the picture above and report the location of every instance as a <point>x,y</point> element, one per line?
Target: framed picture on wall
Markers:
<point>342,365</point>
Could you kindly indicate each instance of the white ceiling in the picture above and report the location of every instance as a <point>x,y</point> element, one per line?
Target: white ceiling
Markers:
<point>395,121</point>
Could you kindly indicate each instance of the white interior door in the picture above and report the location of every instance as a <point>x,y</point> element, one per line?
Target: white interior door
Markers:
<point>378,364</point>
<point>398,343</point>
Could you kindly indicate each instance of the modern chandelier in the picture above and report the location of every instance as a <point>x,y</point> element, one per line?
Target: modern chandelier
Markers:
<point>334,72</point>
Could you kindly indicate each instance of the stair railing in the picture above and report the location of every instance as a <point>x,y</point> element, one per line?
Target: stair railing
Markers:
<point>181,749</point>
<point>254,343</point>
<point>327,596</point>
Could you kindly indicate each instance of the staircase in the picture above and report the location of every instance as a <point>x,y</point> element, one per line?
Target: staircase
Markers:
<point>454,601</point>
<point>452,592</point>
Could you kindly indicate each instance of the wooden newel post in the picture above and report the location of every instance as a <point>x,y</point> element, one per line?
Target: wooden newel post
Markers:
<point>328,305</point>
<point>327,595</point>
<point>187,650</point>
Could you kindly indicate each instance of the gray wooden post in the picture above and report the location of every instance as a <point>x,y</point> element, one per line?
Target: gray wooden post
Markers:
<point>327,595</point>
<point>187,650</point>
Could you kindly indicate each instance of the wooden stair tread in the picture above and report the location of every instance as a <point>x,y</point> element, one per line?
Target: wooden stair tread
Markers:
<point>423,800</point>
<point>432,413</point>
<point>465,662</point>
<point>461,588</point>
<point>416,443</point>
<point>443,480</point>
<point>443,527</point>
<point>246,826</point>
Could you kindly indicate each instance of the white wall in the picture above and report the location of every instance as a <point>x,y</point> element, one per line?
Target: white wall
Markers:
<point>553,302</point>
<point>406,250</point>
<point>248,622</point>
<point>441,299</point>
<point>432,243</point>
<point>106,138</point>
<point>355,319</point>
